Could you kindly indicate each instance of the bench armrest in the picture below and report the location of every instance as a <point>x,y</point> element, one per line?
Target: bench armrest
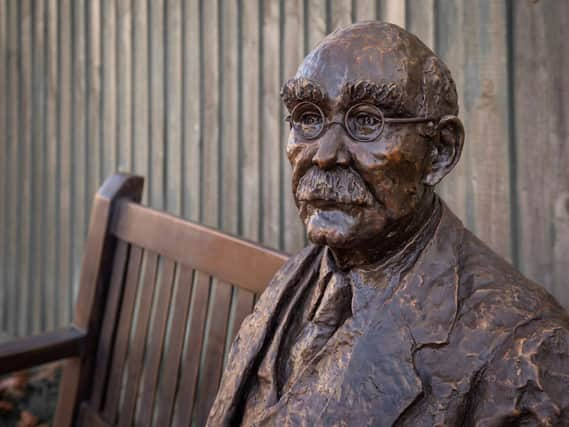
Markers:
<point>31,351</point>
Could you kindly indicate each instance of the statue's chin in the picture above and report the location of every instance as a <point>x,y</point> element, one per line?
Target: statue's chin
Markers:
<point>334,228</point>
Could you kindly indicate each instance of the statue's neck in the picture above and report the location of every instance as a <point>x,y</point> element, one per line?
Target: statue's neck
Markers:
<point>399,241</point>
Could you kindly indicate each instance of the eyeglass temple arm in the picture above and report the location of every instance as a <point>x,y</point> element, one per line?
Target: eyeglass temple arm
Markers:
<point>409,119</point>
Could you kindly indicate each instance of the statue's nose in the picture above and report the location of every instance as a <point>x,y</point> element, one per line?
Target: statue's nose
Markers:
<point>331,150</point>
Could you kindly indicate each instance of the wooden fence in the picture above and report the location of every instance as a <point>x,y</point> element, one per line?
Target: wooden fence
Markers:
<point>186,94</point>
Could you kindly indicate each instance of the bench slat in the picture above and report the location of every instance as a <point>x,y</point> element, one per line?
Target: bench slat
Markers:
<point>226,257</point>
<point>122,336</point>
<point>109,328</point>
<point>169,380</point>
<point>191,362</point>
<point>214,351</point>
<point>156,343</point>
<point>136,353</point>
<point>243,307</point>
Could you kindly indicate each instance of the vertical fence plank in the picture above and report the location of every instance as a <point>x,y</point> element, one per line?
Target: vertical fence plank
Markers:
<point>209,32</point>
<point>486,107</point>
<point>25,150</point>
<point>365,10</point>
<point>393,11</point>
<point>420,20</point>
<point>293,53</point>
<point>249,105</point>
<point>65,138</point>
<point>124,84</point>
<point>4,164</point>
<point>174,106</point>
<point>341,13</point>
<point>210,96</point>
<point>541,90</point>
<point>79,143</point>
<point>271,125</point>
<point>38,194</point>
<point>191,110</point>
<point>109,104</point>
<point>449,45</point>
<point>157,108</point>
<point>3,160</point>
<point>316,23</point>
<point>228,81</point>
<point>93,36</point>
<point>52,226</point>
<point>13,166</point>
<point>140,82</point>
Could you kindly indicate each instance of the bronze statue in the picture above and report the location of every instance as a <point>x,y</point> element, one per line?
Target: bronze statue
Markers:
<point>396,314</point>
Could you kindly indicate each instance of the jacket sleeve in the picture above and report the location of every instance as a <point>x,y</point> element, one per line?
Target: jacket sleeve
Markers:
<point>527,382</point>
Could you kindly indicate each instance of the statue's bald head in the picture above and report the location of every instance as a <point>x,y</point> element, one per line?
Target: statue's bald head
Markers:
<point>420,83</point>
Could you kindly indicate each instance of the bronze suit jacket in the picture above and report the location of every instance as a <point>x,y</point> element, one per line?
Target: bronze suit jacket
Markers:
<point>462,340</point>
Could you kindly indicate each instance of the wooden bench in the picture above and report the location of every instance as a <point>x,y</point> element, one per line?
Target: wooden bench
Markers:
<point>160,301</point>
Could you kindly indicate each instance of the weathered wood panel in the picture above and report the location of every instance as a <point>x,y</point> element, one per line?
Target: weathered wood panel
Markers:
<point>541,92</point>
<point>271,111</point>
<point>186,93</point>
<point>229,115</point>
<point>209,56</point>
<point>51,250</point>
<point>4,189</point>
<point>65,129</point>
<point>24,148</point>
<point>157,119</point>
<point>249,76</point>
<point>191,191</point>
<point>141,93</point>
<point>173,143</point>
<point>38,199</point>
<point>293,52</point>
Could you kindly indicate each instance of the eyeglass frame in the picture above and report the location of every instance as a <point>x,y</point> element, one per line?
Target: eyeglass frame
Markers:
<point>327,123</point>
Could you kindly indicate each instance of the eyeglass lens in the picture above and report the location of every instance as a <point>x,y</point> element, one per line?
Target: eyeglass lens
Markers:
<point>363,122</point>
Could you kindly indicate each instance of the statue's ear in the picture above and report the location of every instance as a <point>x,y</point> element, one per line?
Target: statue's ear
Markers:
<point>447,147</point>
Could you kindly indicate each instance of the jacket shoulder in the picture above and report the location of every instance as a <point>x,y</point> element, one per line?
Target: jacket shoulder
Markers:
<point>492,286</point>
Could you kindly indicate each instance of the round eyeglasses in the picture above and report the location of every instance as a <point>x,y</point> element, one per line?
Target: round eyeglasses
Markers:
<point>363,122</point>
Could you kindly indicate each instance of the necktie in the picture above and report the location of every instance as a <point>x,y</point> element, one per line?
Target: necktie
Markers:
<point>328,311</point>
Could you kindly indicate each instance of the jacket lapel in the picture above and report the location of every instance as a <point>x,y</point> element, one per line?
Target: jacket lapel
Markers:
<point>421,310</point>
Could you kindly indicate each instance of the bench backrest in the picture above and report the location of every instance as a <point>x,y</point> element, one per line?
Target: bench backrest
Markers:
<point>161,300</point>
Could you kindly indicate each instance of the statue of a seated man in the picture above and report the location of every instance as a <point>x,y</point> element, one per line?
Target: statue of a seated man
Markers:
<point>396,314</point>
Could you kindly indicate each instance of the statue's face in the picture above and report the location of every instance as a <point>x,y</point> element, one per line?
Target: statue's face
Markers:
<point>350,193</point>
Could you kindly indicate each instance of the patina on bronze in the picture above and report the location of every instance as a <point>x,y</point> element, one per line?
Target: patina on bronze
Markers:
<point>396,314</point>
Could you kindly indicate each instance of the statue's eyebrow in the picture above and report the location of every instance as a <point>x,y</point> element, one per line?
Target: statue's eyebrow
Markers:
<point>388,96</point>
<point>298,90</point>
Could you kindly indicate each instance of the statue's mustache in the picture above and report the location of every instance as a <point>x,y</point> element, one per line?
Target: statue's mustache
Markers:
<point>341,185</point>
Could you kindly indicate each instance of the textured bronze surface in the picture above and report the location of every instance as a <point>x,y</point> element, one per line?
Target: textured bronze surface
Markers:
<point>396,314</point>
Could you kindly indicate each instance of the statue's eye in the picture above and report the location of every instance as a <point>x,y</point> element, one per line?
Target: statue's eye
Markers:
<point>307,120</point>
<point>310,119</point>
<point>365,120</point>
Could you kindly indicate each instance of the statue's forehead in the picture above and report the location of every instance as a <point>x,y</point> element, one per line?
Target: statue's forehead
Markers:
<point>354,57</point>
